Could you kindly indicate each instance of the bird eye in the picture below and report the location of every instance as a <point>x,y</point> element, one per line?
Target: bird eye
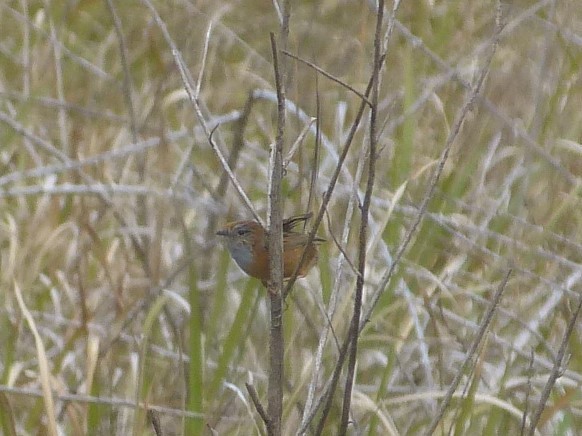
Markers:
<point>242,231</point>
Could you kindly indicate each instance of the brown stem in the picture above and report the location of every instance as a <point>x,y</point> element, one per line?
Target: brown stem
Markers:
<point>275,240</point>
<point>257,403</point>
<point>354,327</point>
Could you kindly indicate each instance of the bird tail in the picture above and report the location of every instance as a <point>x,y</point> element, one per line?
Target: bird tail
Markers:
<point>290,223</point>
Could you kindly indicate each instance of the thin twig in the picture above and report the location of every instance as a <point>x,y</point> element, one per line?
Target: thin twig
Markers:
<point>329,76</point>
<point>557,370</point>
<point>296,144</point>
<point>188,86</point>
<point>257,403</point>
<point>237,144</point>
<point>310,410</point>
<point>233,178</point>
<point>470,353</point>
<point>340,248</point>
<point>327,397</point>
<point>363,237</point>
<point>329,191</point>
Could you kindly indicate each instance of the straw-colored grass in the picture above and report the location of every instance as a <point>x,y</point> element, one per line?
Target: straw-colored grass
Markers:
<point>120,306</point>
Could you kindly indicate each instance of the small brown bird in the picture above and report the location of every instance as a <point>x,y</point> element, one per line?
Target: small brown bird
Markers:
<point>248,246</point>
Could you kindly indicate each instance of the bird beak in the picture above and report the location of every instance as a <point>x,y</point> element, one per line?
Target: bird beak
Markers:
<point>222,232</point>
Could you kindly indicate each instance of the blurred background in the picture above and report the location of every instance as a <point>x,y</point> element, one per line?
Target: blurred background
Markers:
<point>110,197</point>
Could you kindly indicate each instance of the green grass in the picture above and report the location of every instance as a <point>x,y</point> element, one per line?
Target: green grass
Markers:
<point>91,236</point>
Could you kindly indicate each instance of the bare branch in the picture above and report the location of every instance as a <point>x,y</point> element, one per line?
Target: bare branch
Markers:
<point>328,75</point>
<point>331,187</point>
<point>363,237</point>
<point>257,403</point>
<point>275,240</point>
<point>340,248</point>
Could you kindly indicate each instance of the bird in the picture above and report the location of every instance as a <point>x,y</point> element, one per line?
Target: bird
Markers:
<point>248,245</point>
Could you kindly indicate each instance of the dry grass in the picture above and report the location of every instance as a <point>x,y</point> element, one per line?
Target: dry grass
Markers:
<point>110,196</point>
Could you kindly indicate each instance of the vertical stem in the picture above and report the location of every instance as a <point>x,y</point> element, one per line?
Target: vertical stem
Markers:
<point>354,327</point>
<point>275,222</point>
<point>275,233</point>
<point>326,198</point>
